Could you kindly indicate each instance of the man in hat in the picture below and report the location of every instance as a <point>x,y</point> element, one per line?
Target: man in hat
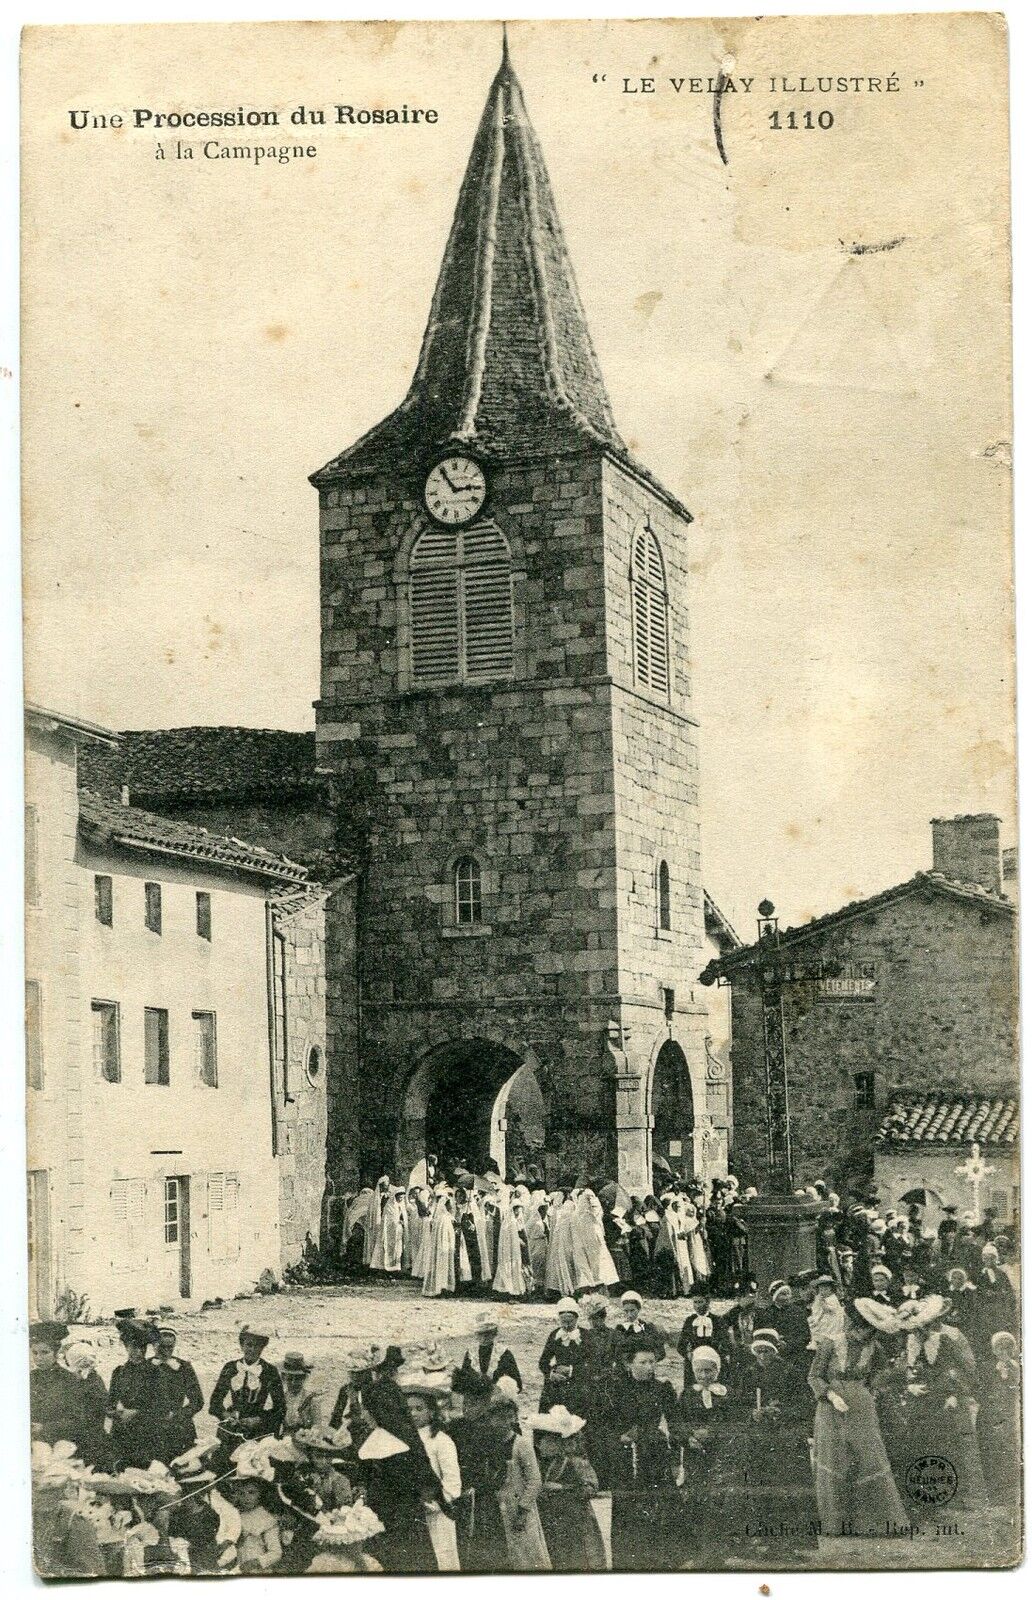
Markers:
<point>182,1396</point>
<point>304,1406</point>
<point>247,1400</point>
<point>489,1357</point>
<point>136,1400</point>
<point>632,1328</point>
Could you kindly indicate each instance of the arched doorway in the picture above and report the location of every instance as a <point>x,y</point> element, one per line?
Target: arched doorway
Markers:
<point>458,1103</point>
<point>673,1112</point>
<point>518,1122</point>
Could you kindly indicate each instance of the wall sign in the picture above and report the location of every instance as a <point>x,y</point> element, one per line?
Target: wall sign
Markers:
<point>855,982</point>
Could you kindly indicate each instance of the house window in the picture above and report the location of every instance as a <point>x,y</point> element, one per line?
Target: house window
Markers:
<point>460,606</point>
<point>863,1091</point>
<point>204,1048</point>
<point>152,906</point>
<point>103,901</point>
<point>33,1035</point>
<point>171,1210</point>
<point>107,1059</point>
<point>31,856</point>
<point>663,897</point>
<point>203,915</point>
<point>649,627</point>
<point>468,892</point>
<point>155,1045</point>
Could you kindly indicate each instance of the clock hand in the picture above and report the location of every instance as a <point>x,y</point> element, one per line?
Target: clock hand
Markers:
<point>454,487</point>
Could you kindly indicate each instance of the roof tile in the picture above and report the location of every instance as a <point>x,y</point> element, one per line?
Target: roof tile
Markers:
<point>939,1117</point>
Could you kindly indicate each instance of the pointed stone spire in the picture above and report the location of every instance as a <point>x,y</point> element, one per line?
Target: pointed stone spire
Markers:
<point>507,365</point>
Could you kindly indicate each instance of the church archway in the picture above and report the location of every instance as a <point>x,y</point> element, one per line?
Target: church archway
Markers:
<point>673,1112</point>
<point>457,1105</point>
<point>518,1122</point>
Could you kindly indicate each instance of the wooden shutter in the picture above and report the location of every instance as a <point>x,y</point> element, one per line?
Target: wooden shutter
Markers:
<point>649,613</point>
<point>232,1214</point>
<point>487,603</point>
<point>33,1034</point>
<point>217,1215</point>
<point>434,607</point>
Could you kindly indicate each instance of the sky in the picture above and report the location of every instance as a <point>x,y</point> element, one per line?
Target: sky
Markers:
<point>809,346</point>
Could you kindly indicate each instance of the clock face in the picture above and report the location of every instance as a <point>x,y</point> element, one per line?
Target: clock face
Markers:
<point>455,490</point>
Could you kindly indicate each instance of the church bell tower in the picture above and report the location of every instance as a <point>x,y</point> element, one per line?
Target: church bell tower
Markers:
<point>506,724</point>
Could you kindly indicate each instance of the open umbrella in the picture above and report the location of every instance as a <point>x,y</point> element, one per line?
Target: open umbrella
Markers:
<point>660,1164</point>
<point>614,1194</point>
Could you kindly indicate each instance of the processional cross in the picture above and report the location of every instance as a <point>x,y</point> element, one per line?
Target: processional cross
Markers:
<point>975,1171</point>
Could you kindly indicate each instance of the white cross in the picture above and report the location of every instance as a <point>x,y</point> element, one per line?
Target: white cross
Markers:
<point>975,1171</point>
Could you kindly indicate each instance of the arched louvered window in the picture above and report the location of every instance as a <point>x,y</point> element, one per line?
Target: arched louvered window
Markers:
<point>649,613</point>
<point>469,897</point>
<point>460,606</point>
<point>663,897</point>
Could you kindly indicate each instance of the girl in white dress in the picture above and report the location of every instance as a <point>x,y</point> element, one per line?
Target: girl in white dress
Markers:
<point>424,1396</point>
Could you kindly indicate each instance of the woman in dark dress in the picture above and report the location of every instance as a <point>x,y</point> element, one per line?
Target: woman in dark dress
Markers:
<point>565,1362</point>
<point>643,1418</point>
<point>709,1459</point>
<point>55,1394</point>
<point>399,1483</point>
<point>999,1421</point>
<point>136,1400</point>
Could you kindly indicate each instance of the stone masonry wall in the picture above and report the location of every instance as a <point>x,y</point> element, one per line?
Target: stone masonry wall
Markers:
<point>943,1016</point>
<point>302,1100</point>
<point>518,773</point>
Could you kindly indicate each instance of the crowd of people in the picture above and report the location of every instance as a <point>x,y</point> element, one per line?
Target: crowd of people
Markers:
<point>799,1411</point>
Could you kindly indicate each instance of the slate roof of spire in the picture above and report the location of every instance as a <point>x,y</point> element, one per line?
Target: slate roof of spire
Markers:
<point>507,367</point>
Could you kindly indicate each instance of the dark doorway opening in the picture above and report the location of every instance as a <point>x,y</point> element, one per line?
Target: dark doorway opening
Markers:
<point>673,1112</point>
<point>459,1104</point>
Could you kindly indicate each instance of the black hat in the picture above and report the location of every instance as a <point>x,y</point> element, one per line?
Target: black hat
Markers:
<point>51,1333</point>
<point>466,1380</point>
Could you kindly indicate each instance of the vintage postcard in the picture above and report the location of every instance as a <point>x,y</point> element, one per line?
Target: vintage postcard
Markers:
<point>521,858</point>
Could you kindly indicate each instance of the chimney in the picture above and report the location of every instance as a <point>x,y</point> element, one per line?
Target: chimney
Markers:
<point>967,849</point>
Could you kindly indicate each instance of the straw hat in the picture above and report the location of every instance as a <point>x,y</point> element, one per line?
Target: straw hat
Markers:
<point>350,1525</point>
<point>557,1420</point>
<point>919,1313</point>
<point>884,1319</point>
<point>487,1322</point>
<point>294,1361</point>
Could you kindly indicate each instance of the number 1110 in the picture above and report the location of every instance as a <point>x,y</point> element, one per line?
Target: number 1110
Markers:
<point>800,119</point>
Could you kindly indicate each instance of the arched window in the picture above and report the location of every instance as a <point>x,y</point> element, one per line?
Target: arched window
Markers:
<point>649,613</point>
<point>460,606</point>
<point>469,904</point>
<point>663,897</point>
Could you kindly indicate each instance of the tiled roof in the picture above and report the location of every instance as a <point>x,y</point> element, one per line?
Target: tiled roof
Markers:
<point>927,884</point>
<point>106,822</point>
<point>507,367</point>
<point>942,1118</point>
<point>178,764</point>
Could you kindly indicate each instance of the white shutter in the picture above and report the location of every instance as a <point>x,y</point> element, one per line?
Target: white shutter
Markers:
<point>216,1215</point>
<point>232,1216</point>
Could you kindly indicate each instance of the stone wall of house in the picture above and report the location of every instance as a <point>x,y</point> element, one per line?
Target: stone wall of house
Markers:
<point>301,1109</point>
<point>522,774</point>
<point>943,1014</point>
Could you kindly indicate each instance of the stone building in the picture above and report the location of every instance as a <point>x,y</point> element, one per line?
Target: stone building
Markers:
<point>176,1051</point>
<point>901,1042</point>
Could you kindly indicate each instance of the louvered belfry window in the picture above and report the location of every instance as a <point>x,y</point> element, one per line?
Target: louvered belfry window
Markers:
<point>460,598</point>
<point>649,613</point>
